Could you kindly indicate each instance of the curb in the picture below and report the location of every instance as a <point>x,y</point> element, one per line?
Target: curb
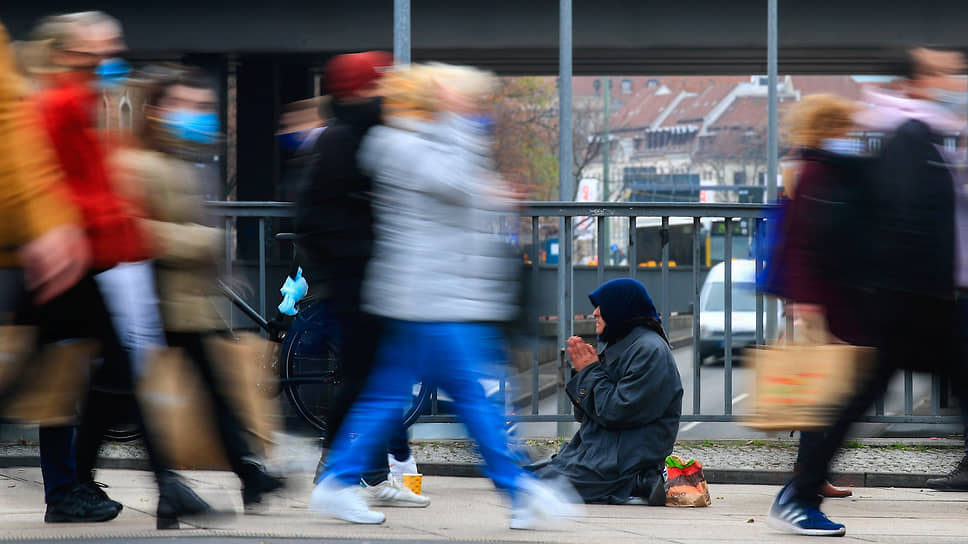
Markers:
<point>470,470</point>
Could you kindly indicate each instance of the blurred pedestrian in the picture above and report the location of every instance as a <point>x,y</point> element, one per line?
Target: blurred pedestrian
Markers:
<point>299,128</point>
<point>438,277</point>
<point>335,215</point>
<point>76,43</point>
<point>821,228</point>
<point>41,246</point>
<point>915,271</point>
<point>185,251</point>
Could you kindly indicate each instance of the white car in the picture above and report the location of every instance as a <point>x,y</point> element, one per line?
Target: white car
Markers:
<point>712,301</point>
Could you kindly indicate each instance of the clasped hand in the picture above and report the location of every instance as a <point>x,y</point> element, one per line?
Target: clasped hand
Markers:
<point>582,354</point>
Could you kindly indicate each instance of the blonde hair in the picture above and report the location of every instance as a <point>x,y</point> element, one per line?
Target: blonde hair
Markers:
<point>816,118</point>
<point>410,92</point>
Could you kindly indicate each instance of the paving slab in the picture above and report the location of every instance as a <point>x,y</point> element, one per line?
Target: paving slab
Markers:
<point>471,510</point>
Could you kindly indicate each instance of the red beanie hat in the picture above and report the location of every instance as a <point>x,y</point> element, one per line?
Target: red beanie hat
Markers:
<point>348,74</point>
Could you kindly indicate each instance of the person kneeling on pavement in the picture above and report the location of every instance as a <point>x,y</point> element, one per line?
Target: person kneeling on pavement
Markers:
<point>628,398</point>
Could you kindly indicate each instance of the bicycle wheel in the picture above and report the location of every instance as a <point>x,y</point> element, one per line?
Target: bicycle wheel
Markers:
<point>311,364</point>
<point>123,432</point>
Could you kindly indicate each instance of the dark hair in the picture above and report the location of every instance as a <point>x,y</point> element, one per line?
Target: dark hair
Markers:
<point>901,63</point>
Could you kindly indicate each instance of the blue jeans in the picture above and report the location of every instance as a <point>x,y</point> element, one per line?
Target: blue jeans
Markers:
<point>453,357</point>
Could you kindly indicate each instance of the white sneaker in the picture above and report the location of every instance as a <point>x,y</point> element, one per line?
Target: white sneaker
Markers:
<point>407,466</point>
<point>343,502</point>
<point>392,493</point>
<point>540,502</point>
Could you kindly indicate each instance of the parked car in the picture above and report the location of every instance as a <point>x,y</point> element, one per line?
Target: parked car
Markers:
<point>712,316</point>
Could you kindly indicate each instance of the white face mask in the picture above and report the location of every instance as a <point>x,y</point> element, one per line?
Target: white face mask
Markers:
<point>956,101</point>
<point>842,146</point>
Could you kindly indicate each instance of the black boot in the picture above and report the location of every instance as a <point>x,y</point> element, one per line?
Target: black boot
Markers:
<point>956,480</point>
<point>256,482</point>
<point>175,500</point>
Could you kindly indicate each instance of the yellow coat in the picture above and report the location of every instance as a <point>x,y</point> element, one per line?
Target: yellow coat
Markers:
<point>32,200</point>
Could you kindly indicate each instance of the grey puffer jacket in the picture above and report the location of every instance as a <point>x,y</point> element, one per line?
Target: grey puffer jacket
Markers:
<point>437,254</point>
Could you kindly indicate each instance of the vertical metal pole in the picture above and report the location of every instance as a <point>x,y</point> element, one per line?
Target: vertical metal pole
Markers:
<point>401,31</point>
<point>633,258</point>
<point>535,363</point>
<point>565,149</point>
<point>228,265</point>
<point>696,362</point>
<point>565,193</point>
<point>601,220</point>
<point>758,224</point>
<point>935,395</point>
<point>908,393</point>
<point>262,266</point>
<point>665,271</point>
<point>772,137</point>
<point>607,150</point>
<point>728,319</point>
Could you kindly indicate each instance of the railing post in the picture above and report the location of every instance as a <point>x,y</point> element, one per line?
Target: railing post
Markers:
<point>665,272</point>
<point>696,361</point>
<point>535,363</point>
<point>728,319</point>
<point>600,269</point>
<point>262,265</point>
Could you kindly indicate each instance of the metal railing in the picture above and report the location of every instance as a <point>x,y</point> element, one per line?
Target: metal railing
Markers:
<point>565,212</point>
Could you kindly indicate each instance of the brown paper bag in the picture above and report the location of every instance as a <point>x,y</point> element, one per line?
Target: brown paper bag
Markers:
<point>803,385</point>
<point>44,387</point>
<point>180,409</point>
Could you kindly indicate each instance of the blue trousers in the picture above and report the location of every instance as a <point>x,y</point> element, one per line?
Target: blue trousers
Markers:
<point>453,357</point>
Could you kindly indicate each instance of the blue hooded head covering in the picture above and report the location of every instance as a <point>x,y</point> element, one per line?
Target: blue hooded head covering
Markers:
<point>624,304</point>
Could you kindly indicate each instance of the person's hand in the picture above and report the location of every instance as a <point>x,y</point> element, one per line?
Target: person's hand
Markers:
<point>55,261</point>
<point>581,353</point>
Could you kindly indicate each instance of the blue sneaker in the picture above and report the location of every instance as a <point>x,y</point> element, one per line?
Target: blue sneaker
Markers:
<point>791,516</point>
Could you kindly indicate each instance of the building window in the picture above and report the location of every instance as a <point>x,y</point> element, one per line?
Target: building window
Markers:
<point>626,86</point>
<point>598,86</point>
<point>652,83</point>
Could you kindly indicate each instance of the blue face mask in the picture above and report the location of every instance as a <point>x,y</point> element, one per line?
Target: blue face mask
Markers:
<point>112,72</point>
<point>192,126</point>
<point>483,122</point>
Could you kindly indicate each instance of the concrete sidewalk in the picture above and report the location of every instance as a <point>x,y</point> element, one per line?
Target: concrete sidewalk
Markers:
<point>469,509</point>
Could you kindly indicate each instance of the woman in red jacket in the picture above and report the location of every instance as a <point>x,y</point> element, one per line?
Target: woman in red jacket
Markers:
<point>77,44</point>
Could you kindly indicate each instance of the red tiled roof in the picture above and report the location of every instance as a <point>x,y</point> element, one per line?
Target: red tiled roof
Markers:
<point>693,110</point>
<point>843,86</point>
<point>745,111</point>
<point>642,111</point>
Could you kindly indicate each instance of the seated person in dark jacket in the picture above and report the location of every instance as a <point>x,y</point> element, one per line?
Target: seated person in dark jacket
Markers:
<point>628,398</point>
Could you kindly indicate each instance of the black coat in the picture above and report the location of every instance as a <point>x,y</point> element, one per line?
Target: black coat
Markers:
<point>629,407</point>
<point>913,203</point>
<point>334,209</point>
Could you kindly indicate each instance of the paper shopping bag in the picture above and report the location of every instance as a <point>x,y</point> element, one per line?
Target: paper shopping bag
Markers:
<point>685,483</point>
<point>45,385</point>
<point>180,408</point>
<point>802,385</point>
